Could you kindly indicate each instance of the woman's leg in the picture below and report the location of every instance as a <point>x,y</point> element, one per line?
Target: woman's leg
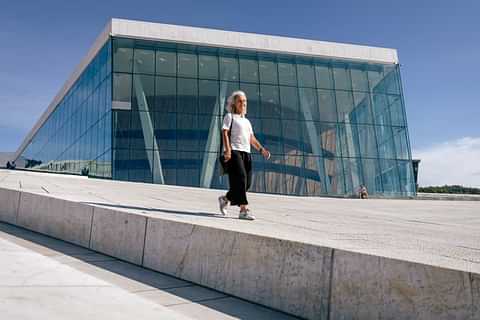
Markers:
<point>237,176</point>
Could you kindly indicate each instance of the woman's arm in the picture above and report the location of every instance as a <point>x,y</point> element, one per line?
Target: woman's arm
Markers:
<point>226,143</point>
<point>254,142</point>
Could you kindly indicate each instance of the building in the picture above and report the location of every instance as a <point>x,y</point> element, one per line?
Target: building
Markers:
<point>147,101</point>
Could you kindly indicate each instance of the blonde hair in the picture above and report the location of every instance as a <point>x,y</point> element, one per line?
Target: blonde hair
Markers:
<point>231,107</point>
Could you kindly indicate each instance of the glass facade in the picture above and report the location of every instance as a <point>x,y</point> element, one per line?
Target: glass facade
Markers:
<point>76,137</point>
<point>331,125</point>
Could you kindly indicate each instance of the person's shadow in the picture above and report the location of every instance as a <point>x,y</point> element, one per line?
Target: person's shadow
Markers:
<point>161,210</point>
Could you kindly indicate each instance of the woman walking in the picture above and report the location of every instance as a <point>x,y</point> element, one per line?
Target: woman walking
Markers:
<point>237,136</point>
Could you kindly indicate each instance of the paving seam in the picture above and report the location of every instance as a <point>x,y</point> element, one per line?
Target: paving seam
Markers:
<point>205,300</point>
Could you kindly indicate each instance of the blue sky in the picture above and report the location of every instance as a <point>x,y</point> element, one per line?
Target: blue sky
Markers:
<point>437,41</point>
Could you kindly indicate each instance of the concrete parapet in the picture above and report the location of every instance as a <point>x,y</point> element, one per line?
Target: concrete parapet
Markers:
<point>66,220</point>
<point>284,275</point>
<point>118,234</point>
<point>9,200</point>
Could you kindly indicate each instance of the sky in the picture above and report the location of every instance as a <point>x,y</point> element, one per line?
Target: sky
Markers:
<point>438,44</point>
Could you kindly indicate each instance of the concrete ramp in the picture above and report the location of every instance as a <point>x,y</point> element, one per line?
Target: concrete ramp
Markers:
<point>310,257</point>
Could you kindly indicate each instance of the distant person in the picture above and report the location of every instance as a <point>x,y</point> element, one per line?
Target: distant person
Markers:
<point>237,136</point>
<point>9,166</point>
<point>363,192</point>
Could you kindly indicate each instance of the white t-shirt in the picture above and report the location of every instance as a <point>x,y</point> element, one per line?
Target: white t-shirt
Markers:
<point>241,131</point>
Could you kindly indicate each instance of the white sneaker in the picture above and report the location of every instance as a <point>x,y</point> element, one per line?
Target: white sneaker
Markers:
<point>246,215</point>
<point>223,203</point>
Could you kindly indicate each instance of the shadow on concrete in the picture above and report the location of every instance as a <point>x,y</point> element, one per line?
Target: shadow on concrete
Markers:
<point>160,210</point>
<point>136,279</point>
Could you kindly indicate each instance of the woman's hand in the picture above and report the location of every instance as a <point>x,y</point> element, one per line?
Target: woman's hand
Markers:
<point>227,155</point>
<point>266,153</point>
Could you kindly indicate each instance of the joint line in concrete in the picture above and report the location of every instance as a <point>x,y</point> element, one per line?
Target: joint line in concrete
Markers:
<point>144,241</point>
<point>91,229</point>
<point>330,284</point>
<point>18,206</point>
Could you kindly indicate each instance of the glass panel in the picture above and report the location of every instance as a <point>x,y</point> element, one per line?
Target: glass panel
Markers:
<point>187,65</point>
<point>270,104</point>
<point>165,94</point>
<point>121,159</point>
<point>144,61</point>
<point>287,74</point>
<point>208,66</point>
<point>275,174</point>
<point>188,169</point>
<point>341,75</point>
<point>326,105</point>
<point>258,174</point>
<point>252,92</point>
<point>344,105</point>
<point>386,147</point>
<point>143,93</point>
<point>359,78</point>
<point>248,69</point>
<point>139,166</point>
<point>289,103</point>
<point>306,77</point>
<point>372,176</point>
<point>228,68</point>
<point>165,125</point>
<point>367,141</point>
<point>308,104</point>
<point>315,180</point>
<point>407,184</point>
<point>374,77</point>
<point>294,179</point>
<point>324,76</point>
<point>361,112</point>
<point>390,176</point>
<point>353,175</point>
<point>141,136</point>
<point>391,79</point>
<point>396,110</point>
<point>122,55</point>
<point>334,177</point>
<point>166,63</point>
<point>401,144</point>
<point>122,91</point>
<point>268,71</point>
<point>186,132</point>
<point>187,99</point>
<point>271,135</point>
<point>292,137</point>
<point>380,110</point>
<point>208,97</point>
<point>121,129</point>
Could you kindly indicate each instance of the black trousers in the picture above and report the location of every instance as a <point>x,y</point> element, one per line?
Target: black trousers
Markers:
<point>239,177</point>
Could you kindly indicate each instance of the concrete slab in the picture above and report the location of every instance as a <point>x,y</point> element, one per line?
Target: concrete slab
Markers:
<point>9,200</point>
<point>62,219</point>
<point>118,234</point>
<point>304,251</point>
